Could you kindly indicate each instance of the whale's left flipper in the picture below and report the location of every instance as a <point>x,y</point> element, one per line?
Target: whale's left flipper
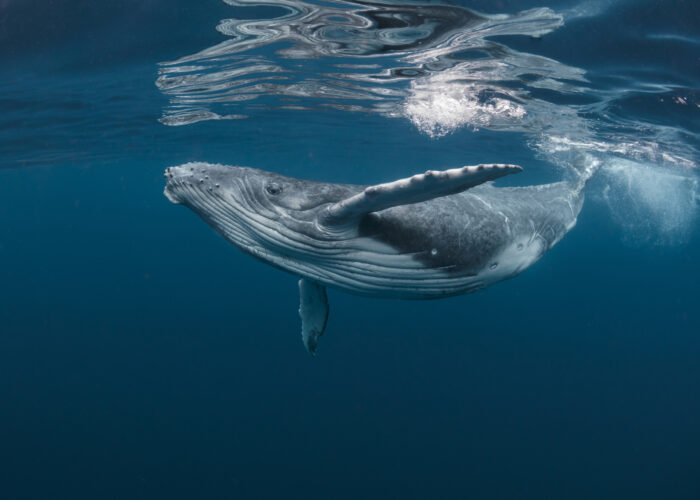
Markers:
<point>313,309</point>
<point>420,187</point>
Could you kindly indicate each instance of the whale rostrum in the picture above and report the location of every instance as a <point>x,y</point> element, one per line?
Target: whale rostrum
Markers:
<point>428,236</point>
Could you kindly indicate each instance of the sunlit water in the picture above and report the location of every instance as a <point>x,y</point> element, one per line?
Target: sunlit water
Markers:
<point>141,351</point>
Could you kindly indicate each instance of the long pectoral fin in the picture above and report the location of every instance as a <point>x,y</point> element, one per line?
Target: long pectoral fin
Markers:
<point>313,309</point>
<point>420,187</point>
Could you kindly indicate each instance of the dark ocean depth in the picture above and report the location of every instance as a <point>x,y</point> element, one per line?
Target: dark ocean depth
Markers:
<point>142,356</point>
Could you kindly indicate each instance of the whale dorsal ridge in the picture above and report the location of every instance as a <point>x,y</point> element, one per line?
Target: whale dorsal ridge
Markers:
<point>420,187</point>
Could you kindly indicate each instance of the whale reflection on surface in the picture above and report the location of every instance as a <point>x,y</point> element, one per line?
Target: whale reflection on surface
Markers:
<point>433,64</point>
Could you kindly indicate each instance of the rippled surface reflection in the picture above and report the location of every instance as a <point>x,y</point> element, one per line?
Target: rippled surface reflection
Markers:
<point>431,63</point>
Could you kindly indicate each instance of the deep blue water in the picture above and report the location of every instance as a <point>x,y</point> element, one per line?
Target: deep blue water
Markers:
<point>142,356</point>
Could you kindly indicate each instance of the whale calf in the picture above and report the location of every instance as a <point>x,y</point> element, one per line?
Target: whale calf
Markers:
<point>432,235</point>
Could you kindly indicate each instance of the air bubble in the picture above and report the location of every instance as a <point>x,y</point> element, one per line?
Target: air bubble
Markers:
<point>433,252</point>
<point>493,266</point>
<point>520,246</point>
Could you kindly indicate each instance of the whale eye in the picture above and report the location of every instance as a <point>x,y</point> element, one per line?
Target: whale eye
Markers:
<point>273,188</point>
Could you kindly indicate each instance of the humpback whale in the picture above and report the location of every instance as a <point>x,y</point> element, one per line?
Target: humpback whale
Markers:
<point>432,235</point>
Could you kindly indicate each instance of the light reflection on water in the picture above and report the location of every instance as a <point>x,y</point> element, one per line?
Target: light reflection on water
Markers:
<point>406,60</point>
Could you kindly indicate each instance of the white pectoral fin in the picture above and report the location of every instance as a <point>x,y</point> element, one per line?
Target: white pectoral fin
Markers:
<point>420,187</point>
<point>313,309</point>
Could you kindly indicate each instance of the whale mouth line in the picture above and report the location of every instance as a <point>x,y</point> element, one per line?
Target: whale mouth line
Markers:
<point>170,196</point>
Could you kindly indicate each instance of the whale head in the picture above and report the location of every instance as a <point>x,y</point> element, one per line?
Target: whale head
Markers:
<point>263,213</point>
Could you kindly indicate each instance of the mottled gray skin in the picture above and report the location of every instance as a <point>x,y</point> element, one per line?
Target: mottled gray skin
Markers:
<point>464,233</point>
<point>444,246</point>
